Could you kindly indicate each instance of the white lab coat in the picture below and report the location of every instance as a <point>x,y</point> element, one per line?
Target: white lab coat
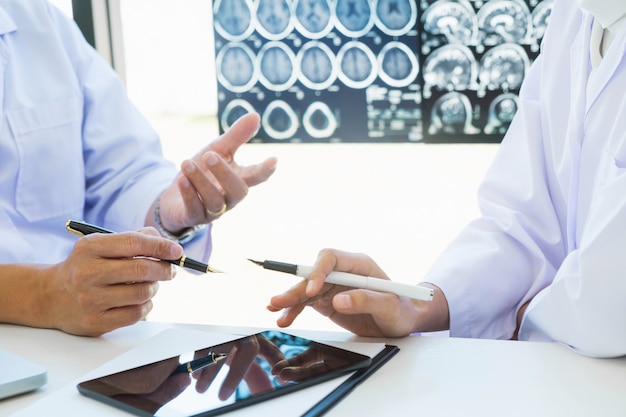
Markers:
<point>553,204</point>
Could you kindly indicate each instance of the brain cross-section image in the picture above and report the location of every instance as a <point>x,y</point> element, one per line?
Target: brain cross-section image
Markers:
<point>320,70</point>
<point>326,71</point>
<point>474,57</point>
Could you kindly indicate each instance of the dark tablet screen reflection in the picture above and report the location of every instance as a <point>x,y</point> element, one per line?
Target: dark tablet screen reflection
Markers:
<point>258,367</point>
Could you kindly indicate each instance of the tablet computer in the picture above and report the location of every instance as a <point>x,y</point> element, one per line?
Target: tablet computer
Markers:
<point>225,377</point>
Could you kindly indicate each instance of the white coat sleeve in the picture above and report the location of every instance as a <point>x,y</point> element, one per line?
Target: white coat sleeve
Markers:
<point>514,249</point>
<point>585,306</point>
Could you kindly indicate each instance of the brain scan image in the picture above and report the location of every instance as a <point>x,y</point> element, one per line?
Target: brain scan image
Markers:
<point>398,64</point>
<point>501,112</point>
<point>452,114</point>
<point>277,66</point>
<point>540,18</point>
<point>279,120</point>
<point>451,67</point>
<point>354,17</point>
<point>313,17</point>
<point>503,67</point>
<point>236,67</point>
<point>233,111</point>
<point>396,17</point>
<point>274,18</point>
<point>319,121</point>
<point>233,18</point>
<point>375,70</point>
<point>453,21</point>
<point>504,21</point>
<point>317,65</point>
<point>357,65</point>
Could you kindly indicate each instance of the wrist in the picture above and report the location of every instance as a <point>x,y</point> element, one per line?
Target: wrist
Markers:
<point>183,236</point>
<point>434,315</point>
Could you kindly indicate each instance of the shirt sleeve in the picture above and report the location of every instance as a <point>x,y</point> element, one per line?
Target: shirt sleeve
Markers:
<point>125,169</point>
<point>512,251</point>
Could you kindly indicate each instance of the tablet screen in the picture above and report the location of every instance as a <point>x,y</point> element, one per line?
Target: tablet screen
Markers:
<point>221,378</point>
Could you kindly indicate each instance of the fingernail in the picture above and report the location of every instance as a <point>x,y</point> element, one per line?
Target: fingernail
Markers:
<point>184,182</point>
<point>176,251</point>
<point>309,287</point>
<point>343,301</point>
<point>210,159</point>
<point>188,167</point>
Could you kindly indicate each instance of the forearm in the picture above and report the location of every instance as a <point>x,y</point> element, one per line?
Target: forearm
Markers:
<point>22,299</point>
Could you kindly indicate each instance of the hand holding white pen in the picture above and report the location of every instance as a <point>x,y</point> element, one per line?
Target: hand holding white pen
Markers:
<point>352,280</point>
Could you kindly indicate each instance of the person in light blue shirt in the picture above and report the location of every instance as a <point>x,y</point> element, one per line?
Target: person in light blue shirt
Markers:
<point>73,146</point>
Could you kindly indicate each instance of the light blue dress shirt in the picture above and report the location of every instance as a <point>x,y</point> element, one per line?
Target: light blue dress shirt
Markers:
<point>72,145</point>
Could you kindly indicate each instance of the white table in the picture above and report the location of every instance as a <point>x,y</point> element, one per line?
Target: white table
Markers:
<point>434,376</point>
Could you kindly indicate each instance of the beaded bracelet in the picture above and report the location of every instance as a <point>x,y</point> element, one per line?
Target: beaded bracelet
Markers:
<point>185,236</point>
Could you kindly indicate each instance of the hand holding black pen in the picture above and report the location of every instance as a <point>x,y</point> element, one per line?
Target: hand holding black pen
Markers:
<point>82,229</point>
<point>88,293</point>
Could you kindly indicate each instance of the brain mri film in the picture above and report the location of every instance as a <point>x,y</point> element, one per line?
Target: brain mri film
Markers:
<point>313,17</point>
<point>504,21</point>
<point>328,71</point>
<point>233,18</point>
<point>501,112</point>
<point>236,67</point>
<point>451,67</point>
<point>449,22</point>
<point>274,18</point>
<point>503,67</point>
<point>354,17</point>
<point>277,62</point>
<point>481,50</point>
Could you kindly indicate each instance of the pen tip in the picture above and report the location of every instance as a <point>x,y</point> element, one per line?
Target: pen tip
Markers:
<point>255,262</point>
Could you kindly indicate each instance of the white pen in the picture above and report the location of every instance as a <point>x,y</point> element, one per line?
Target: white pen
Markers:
<point>352,280</point>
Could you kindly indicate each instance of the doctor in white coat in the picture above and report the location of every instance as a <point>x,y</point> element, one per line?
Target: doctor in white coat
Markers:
<point>546,260</point>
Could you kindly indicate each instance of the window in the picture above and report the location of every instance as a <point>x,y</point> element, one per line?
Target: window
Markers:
<point>169,56</point>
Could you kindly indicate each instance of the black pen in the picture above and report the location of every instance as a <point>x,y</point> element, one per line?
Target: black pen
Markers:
<point>197,364</point>
<point>83,229</point>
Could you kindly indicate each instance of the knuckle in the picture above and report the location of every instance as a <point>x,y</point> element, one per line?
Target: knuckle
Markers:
<point>146,291</point>
<point>131,241</point>
<point>141,268</point>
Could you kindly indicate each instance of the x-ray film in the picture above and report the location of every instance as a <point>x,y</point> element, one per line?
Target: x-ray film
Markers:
<point>320,71</point>
<point>474,57</point>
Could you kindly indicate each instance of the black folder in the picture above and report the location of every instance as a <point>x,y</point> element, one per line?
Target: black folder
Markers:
<point>332,399</point>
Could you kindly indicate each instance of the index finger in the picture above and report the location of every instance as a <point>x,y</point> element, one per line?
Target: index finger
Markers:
<point>132,245</point>
<point>325,264</point>
<point>239,133</point>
